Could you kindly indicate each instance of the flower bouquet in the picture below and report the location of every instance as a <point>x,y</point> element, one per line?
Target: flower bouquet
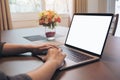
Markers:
<point>49,20</point>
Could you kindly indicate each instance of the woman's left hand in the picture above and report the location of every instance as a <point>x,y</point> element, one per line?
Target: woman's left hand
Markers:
<point>36,49</point>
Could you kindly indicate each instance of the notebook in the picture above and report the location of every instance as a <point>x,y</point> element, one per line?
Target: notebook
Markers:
<point>86,38</point>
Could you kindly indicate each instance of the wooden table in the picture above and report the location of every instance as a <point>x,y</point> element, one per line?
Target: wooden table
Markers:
<point>105,69</point>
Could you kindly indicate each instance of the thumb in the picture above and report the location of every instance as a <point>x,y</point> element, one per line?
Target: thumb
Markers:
<point>44,58</point>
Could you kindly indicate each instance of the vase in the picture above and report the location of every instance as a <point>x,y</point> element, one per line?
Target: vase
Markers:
<point>50,33</point>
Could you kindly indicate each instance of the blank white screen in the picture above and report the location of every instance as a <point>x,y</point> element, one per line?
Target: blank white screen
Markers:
<point>88,32</point>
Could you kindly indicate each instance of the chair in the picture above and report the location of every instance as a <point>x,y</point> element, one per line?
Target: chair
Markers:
<point>115,23</point>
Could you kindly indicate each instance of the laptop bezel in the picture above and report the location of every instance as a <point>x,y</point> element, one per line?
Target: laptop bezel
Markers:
<point>93,14</point>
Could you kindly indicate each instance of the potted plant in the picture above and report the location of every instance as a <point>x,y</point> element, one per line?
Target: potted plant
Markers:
<point>49,20</point>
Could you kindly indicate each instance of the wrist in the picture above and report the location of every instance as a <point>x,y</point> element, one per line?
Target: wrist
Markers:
<point>54,63</point>
<point>29,47</point>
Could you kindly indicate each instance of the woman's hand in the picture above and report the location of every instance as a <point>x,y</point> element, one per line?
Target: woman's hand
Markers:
<point>54,53</point>
<point>56,56</point>
<point>54,60</point>
<point>36,49</point>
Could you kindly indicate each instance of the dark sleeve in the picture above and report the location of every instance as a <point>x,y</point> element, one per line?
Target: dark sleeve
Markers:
<point>17,77</point>
<point>1,47</point>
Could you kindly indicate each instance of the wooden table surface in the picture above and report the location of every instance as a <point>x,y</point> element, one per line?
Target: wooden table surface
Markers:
<point>105,69</point>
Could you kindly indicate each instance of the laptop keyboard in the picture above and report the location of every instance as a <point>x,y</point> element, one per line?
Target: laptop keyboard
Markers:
<point>74,56</point>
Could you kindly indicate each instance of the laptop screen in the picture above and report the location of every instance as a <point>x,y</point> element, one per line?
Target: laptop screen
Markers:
<point>88,32</point>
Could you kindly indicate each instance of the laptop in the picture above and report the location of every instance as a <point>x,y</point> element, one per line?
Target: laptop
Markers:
<point>86,38</point>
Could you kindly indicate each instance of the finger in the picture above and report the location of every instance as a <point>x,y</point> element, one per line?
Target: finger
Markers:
<point>44,58</point>
<point>42,48</point>
<point>47,47</point>
<point>60,50</point>
<point>53,45</point>
<point>63,54</point>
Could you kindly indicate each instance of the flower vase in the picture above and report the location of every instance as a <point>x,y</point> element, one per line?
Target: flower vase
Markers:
<point>50,33</point>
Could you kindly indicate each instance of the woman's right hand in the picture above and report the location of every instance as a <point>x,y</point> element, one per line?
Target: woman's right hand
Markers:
<point>55,55</point>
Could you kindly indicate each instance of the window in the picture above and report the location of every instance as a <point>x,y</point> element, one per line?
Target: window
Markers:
<point>21,6</point>
<point>25,12</point>
<point>117,6</point>
<point>60,6</point>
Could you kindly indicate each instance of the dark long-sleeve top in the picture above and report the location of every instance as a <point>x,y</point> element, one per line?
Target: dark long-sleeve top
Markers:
<point>16,77</point>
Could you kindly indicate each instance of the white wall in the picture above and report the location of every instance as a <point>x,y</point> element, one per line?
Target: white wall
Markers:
<point>25,20</point>
<point>111,6</point>
<point>101,6</point>
<point>92,6</point>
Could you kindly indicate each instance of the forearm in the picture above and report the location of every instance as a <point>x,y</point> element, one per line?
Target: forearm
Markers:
<point>45,72</point>
<point>13,49</point>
